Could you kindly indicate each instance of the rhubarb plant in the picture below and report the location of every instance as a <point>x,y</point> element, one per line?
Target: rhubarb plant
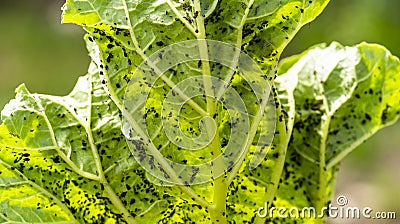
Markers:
<point>188,115</point>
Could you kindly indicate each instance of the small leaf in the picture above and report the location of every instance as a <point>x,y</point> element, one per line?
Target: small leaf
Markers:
<point>342,96</point>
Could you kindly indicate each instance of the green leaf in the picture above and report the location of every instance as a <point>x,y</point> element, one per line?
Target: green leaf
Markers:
<point>74,160</point>
<point>341,96</point>
<point>24,201</point>
<point>123,35</point>
<point>262,28</point>
<point>78,141</point>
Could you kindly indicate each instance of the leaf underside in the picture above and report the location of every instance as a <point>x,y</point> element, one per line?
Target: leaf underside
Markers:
<point>68,159</point>
<point>341,96</point>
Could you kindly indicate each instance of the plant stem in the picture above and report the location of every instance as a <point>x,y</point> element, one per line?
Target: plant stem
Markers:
<point>218,211</point>
<point>117,202</point>
<point>220,185</point>
<point>323,182</point>
<point>322,197</point>
<point>102,179</point>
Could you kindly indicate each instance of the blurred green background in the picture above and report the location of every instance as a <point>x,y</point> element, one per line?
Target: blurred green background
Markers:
<point>37,50</point>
